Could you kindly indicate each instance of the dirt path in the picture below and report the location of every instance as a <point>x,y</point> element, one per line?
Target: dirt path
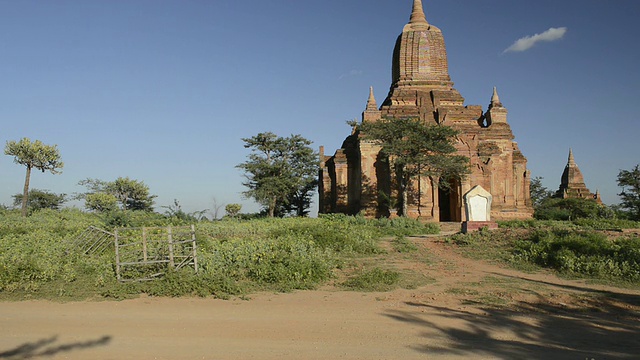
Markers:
<point>472,310</point>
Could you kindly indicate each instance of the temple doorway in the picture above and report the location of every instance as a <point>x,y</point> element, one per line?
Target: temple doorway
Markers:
<point>449,202</point>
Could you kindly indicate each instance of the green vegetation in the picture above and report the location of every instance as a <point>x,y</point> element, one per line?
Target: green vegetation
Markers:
<point>415,149</point>
<point>579,249</point>
<point>232,210</point>
<point>571,209</point>
<point>238,257</point>
<point>539,193</point>
<point>38,259</point>
<point>33,155</point>
<point>40,199</point>
<point>281,173</point>
<point>375,279</point>
<point>584,253</point>
<point>103,196</point>
<point>580,223</point>
<point>403,245</point>
<point>629,180</point>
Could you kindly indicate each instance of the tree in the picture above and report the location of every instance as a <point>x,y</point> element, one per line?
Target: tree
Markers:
<point>130,194</point>
<point>233,210</point>
<point>277,168</point>
<point>175,211</point>
<point>299,201</point>
<point>415,149</point>
<point>571,209</point>
<point>33,155</point>
<point>41,199</point>
<point>629,180</point>
<point>216,209</point>
<point>100,202</point>
<point>538,192</point>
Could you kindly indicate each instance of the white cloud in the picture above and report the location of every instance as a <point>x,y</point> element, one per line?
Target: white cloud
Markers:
<point>527,42</point>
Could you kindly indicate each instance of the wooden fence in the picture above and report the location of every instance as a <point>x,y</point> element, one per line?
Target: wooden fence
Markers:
<point>147,253</point>
<point>93,241</point>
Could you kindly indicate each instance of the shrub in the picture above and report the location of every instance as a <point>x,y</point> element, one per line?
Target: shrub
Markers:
<point>375,279</point>
<point>607,224</point>
<point>35,250</point>
<point>582,253</point>
<point>235,256</point>
<point>402,245</point>
<point>571,209</point>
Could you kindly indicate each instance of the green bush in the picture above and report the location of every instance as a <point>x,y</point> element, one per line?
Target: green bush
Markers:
<point>375,279</point>
<point>36,250</point>
<point>137,218</point>
<point>186,282</point>
<point>286,263</point>
<point>571,209</point>
<point>582,253</point>
<point>37,258</point>
<point>403,245</point>
<point>607,224</point>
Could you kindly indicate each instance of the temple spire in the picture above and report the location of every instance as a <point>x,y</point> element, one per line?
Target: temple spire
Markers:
<point>371,102</point>
<point>495,99</point>
<point>572,182</point>
<point>417,15</point>
<point>571,161</point>
<point>371,113</point>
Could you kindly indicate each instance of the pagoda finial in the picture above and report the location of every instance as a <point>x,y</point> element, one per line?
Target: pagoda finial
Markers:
<point>495,99</point>
<point>371,102</point>
<point>572,161</point>
<point>417,15</point>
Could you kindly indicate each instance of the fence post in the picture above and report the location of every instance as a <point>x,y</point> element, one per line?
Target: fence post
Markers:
<point>170,237</point>
<point>117,255</point>
<point>193,242</point>
<point>144,244</point>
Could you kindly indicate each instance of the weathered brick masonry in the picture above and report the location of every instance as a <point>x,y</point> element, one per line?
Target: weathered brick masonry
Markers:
<point>353,179</point>
<point>572,183</point>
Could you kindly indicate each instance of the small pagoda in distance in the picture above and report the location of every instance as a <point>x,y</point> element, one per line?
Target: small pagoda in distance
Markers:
<point>572,183</point>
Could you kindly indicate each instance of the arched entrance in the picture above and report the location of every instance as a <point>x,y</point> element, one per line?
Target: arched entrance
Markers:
<point>449,201</point>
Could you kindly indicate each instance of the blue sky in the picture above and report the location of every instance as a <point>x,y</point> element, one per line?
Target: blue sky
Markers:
<point>163,91</point>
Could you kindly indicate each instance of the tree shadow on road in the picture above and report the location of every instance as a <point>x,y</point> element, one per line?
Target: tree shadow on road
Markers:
<point>601,326</point>
<point>49,347</point>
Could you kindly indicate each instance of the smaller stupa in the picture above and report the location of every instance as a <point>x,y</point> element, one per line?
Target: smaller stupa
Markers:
<point>572,183</point>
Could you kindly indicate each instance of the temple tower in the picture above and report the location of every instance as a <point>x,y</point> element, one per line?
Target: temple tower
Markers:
<point>572,183</point>
<point>360,180</point>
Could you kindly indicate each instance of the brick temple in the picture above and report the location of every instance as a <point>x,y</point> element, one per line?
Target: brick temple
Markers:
<point>356,180</point>
<point>572,183</point>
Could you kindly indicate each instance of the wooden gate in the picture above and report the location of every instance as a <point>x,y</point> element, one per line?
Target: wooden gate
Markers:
<point>92,241</point>
<point>147,253</point>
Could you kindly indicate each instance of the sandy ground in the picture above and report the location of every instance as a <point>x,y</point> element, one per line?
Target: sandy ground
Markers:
<point>472,310</point>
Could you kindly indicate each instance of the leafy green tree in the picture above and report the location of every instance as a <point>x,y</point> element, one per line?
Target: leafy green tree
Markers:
<point>233,210</point>
<point>277,168</point>
<point>299,202</point>
<point>100,202</point>
<point>414,149</point>
<point>538,192</point>
<point>41,199</point>
<point>33,155</point>
<point>629,180</point>
<point>571,209</point>
<point>93,186</point>
<point>130,194</point>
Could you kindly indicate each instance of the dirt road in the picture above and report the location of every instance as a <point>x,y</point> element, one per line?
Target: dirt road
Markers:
<point>473,310</point>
